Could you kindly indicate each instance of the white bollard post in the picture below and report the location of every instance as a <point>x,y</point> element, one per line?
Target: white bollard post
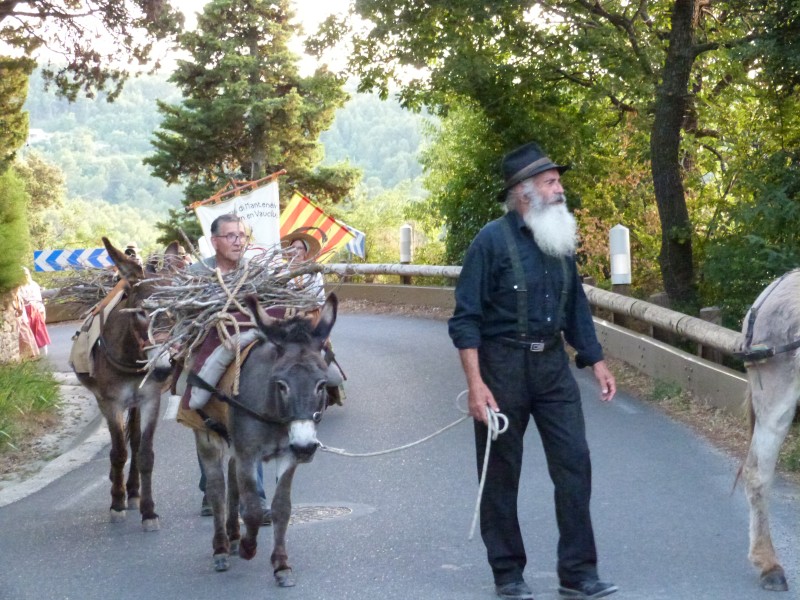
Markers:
<point>619,244</point>
<point>405,250</point>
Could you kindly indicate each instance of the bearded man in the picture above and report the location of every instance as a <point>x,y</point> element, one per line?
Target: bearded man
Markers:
<point>517,295</point>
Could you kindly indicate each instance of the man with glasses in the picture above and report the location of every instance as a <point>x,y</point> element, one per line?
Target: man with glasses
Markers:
<point>229,238</point>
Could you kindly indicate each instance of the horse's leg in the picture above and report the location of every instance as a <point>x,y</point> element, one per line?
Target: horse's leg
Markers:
<point>773,402</point>
<point>134,434</point>
<point>232,524</point>
<point>211,454</point>
<point>252,513</point>
<point>281,512</point>
<point>149,420</point>
<point>118,455</point>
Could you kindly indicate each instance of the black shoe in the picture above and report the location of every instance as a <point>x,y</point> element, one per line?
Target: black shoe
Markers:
<point>205,508</point>
<point>517,590</point>
<point>587,590</point>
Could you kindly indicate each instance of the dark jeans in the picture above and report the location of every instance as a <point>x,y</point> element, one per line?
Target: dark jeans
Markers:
<point>541,385</point>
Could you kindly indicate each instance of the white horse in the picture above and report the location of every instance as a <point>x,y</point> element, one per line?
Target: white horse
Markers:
<point>772,356</point>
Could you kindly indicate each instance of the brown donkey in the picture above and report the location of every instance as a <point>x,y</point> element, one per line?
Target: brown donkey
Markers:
<point>113,370</point>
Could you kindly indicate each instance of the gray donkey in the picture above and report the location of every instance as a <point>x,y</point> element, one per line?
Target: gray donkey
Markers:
<point>772,356</point>
<point>281,400</point>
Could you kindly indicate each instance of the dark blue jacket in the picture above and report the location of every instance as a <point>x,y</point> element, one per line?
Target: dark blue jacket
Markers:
<point>486,305</point>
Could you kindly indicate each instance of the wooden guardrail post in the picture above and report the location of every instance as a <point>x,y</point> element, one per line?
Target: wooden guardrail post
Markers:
<point>712,314</point>
<point>657,333</point>
<point>623,289</point>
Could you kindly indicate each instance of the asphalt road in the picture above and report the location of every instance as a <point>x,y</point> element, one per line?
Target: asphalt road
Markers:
<point>395,526</point>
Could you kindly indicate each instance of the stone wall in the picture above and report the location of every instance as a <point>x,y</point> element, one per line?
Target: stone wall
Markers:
<point>9,334</point>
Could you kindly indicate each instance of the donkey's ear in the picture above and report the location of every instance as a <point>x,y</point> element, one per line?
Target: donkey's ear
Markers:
<point>327,318</point>
<point>173,249</point>
<point>263,320</point>
<point>129,269</point>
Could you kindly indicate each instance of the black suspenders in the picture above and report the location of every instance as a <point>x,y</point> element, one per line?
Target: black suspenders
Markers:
<point>521,287</point>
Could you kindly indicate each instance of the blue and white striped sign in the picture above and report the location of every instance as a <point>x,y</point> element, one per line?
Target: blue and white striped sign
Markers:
<point>62,260</point>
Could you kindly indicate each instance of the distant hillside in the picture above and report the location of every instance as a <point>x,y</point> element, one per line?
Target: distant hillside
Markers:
<point>380,137</point>
<point>100,146</point>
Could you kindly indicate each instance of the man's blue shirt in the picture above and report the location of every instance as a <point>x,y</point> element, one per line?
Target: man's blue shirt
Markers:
<point>486,302</point>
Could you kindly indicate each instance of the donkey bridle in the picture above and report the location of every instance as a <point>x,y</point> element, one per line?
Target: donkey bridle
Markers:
<point>195,380</point>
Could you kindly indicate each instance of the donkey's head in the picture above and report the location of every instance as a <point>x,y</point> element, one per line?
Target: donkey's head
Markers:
<point>132,321</point>
<point>297,372</point>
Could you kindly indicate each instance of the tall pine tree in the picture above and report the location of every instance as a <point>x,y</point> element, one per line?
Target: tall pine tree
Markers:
<point>14,74</point>
<point>246,112</point>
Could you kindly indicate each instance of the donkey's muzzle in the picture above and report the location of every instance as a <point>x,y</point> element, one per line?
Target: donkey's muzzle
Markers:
<point>304,452</point>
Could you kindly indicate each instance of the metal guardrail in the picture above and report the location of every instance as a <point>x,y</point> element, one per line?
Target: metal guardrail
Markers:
<point>692,328</point>
<point>714,383</point>
<point>711,382</point>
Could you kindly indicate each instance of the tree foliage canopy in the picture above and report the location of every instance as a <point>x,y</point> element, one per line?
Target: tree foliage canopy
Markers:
<point>570,72</point>
<point>13,120</point>
<point>14,241</point>
<point>88,62</point>
<point>246,111</point>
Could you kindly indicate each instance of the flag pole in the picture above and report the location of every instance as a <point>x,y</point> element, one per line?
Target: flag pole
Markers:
<point>239,186</point>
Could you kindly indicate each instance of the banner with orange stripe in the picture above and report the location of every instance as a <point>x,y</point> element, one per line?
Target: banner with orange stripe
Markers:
<point>304,212</point>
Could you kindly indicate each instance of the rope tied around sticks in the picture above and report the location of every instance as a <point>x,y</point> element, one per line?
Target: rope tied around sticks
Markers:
<point>223,316</point>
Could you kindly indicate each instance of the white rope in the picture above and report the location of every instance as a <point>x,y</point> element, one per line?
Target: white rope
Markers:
<point>495,428</point>
<point>341,452</point>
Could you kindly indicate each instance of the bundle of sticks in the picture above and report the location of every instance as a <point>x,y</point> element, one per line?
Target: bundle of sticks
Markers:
<point>190,304</point>
<point>86,287</point>
<point>185,305</point>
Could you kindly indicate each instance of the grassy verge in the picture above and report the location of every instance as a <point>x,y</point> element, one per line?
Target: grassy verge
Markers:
<point>29,402</point>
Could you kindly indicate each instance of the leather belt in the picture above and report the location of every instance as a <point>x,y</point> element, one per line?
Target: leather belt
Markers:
<point>532,345</point>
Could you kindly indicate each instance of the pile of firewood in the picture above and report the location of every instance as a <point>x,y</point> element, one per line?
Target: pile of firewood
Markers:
<point>184,306</point>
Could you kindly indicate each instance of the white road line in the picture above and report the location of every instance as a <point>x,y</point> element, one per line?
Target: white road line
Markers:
<point>57,467</point>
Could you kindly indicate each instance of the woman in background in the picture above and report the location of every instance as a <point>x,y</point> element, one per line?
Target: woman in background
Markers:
<point>31,295</point>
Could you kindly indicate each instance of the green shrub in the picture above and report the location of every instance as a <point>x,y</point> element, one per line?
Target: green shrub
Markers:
<point>14,237</point>
<point>790,453</point>
<point>757,241</point>
<point>27,390</point>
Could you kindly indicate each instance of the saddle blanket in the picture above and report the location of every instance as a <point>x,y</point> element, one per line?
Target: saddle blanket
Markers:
<point>214,408</point>
<point>84,340</point>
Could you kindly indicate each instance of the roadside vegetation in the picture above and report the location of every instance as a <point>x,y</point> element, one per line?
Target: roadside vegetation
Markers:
<point>29,402</point>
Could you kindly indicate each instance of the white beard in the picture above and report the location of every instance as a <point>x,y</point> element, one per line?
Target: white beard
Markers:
<point>554,228</point>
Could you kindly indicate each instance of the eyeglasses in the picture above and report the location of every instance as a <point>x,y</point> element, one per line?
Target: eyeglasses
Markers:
<point>232,238</point>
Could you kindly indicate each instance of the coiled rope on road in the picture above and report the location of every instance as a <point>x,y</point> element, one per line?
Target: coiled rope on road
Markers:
<point>497,423</point>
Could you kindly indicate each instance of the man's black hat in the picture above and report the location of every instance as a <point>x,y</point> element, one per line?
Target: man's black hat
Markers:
<point>523,163</point>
